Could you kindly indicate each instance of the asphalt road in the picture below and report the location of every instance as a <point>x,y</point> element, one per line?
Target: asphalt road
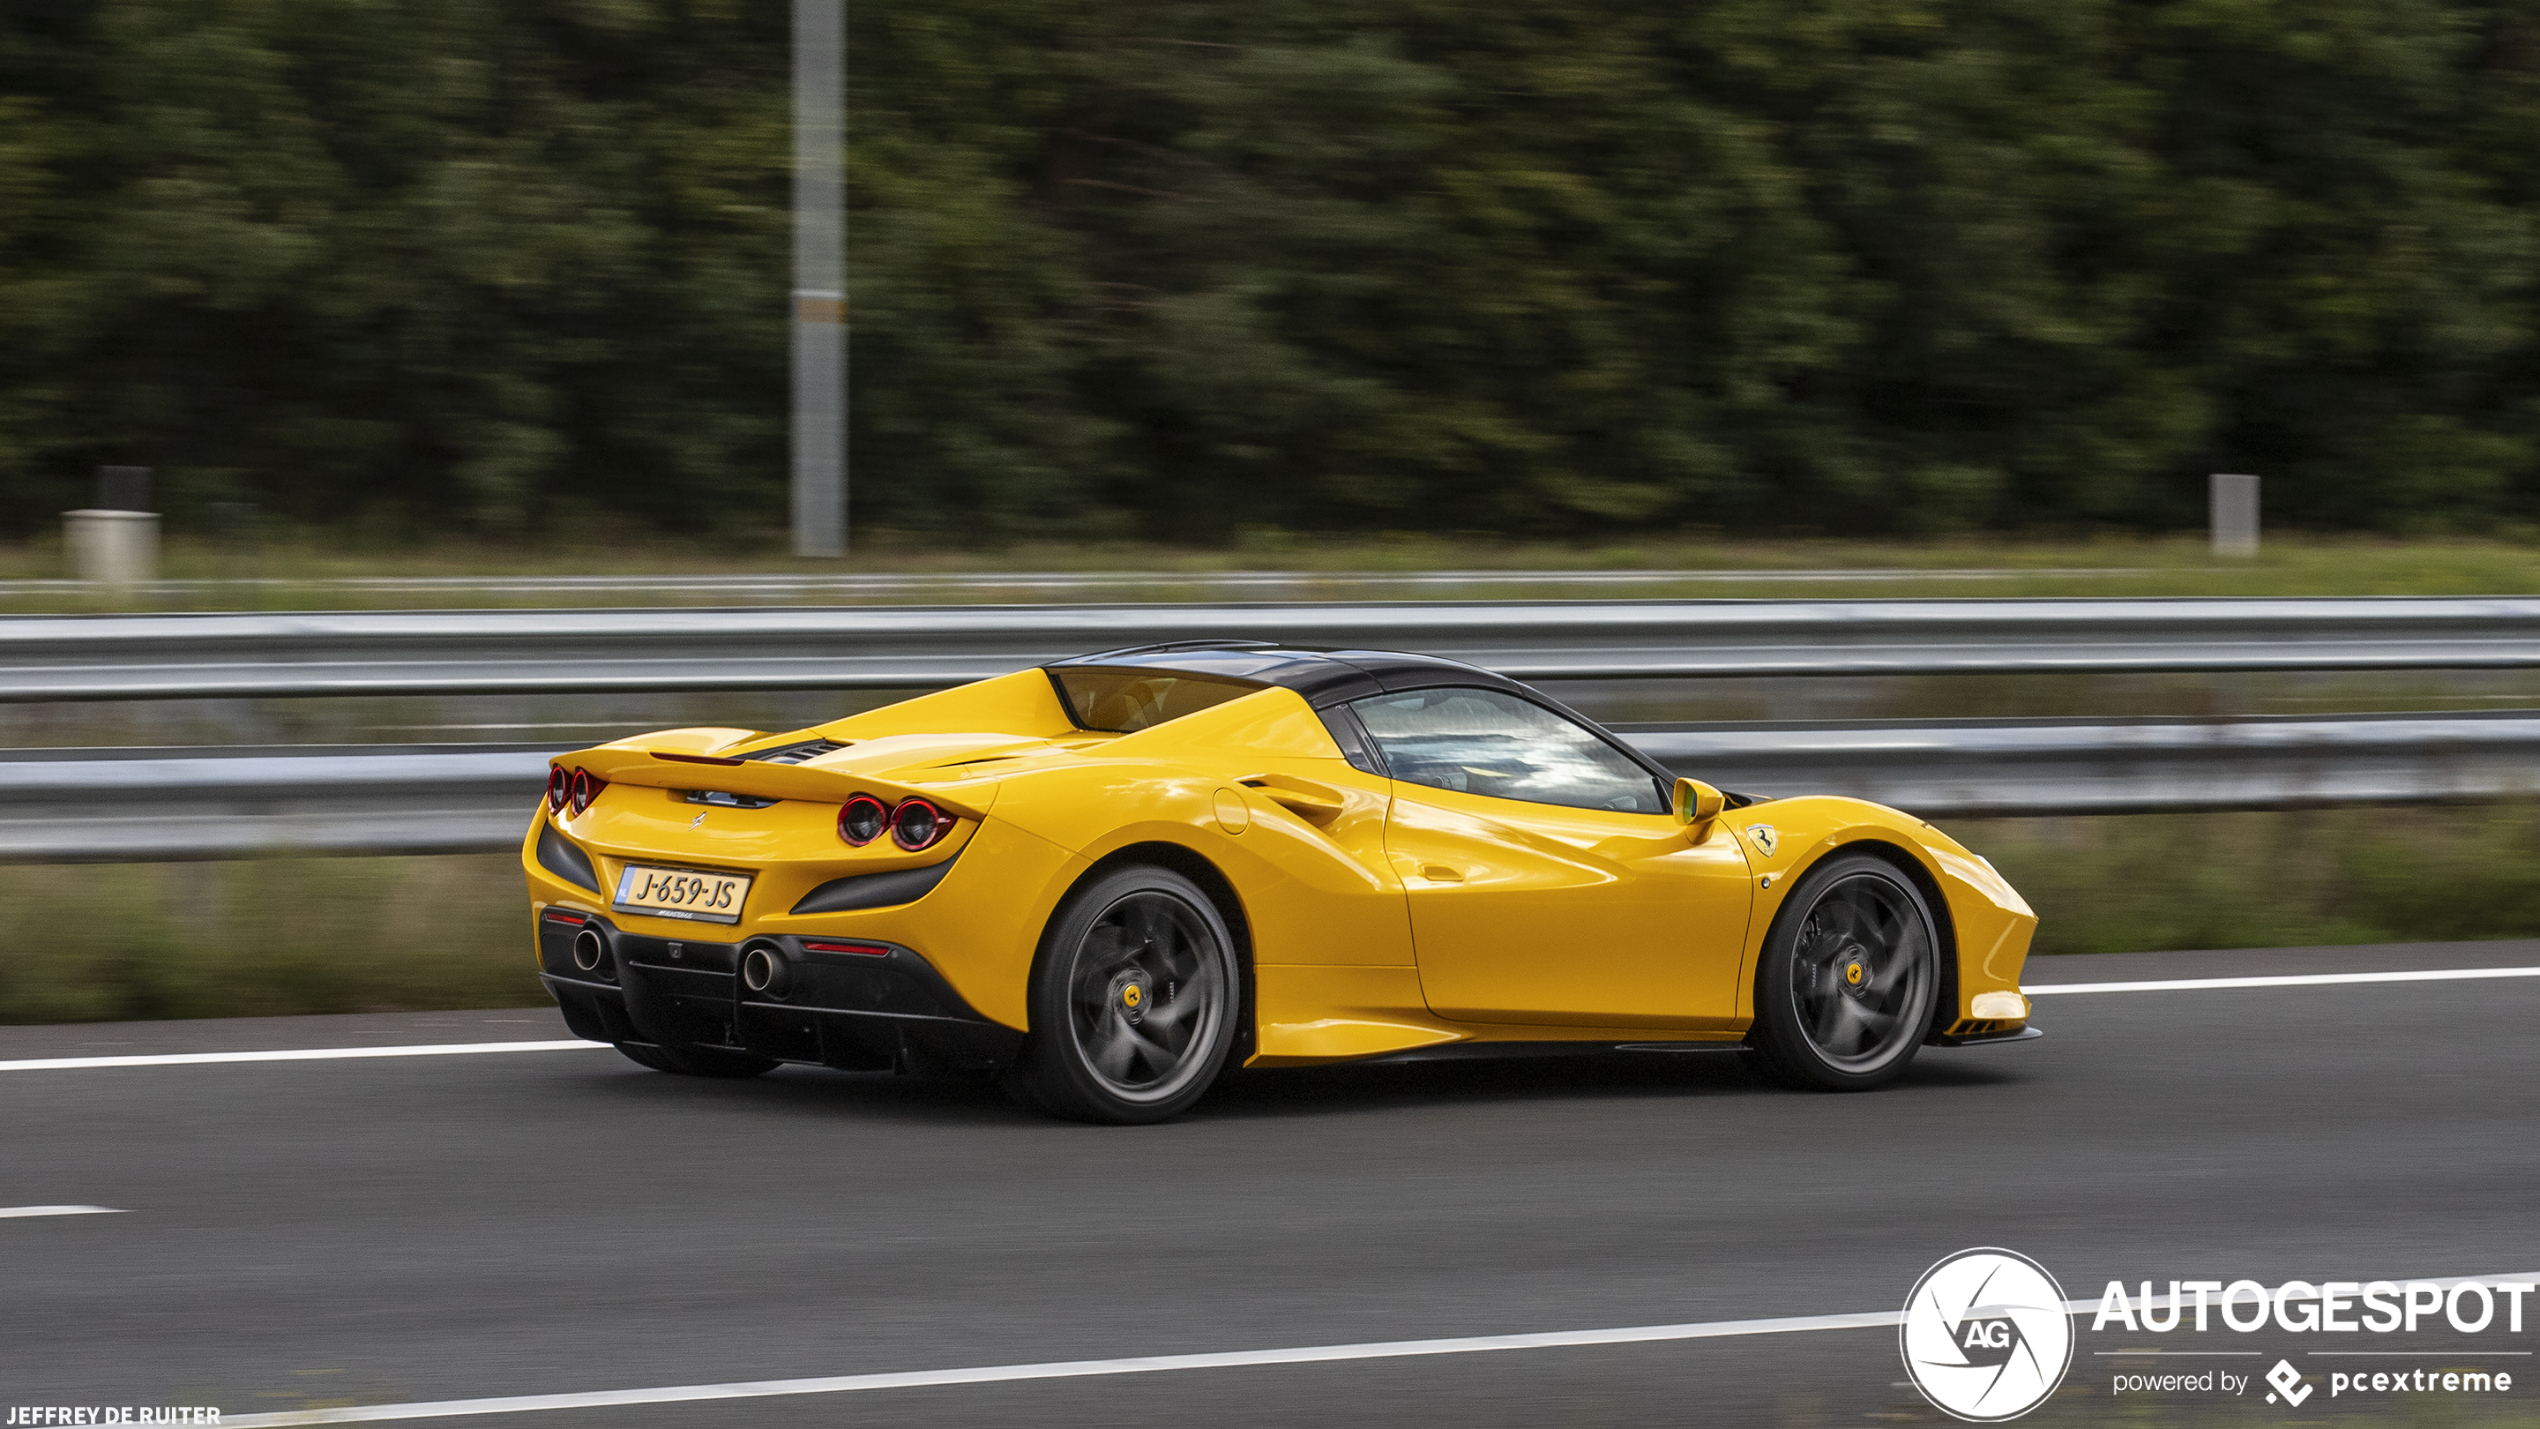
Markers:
<point>399,1230</point>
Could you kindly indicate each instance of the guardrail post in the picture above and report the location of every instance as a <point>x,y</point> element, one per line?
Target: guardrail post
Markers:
<point>2232,503</point>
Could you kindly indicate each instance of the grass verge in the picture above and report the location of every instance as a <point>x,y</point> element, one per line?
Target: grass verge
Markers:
<point>274,937</point>
<point>286,936</point>
<point>2149,882</point>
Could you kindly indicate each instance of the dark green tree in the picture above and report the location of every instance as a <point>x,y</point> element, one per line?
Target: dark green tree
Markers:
<point>1166,269</point>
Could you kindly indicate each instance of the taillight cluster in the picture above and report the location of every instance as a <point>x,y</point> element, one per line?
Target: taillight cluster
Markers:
<point>571,788</point>
<point>914,823</point>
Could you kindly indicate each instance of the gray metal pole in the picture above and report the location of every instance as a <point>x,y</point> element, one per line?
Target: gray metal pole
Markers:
<point>820,298</point>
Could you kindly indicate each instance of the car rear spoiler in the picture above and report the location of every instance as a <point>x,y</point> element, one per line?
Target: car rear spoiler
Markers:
<point>665,769</point>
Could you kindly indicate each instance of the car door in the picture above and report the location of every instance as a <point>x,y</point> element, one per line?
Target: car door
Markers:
<point>1549,882</point>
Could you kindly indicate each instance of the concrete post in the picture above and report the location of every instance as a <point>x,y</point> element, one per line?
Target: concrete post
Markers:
<point>115,541</point>
<point>113,547</point>
<point>2232,503</point>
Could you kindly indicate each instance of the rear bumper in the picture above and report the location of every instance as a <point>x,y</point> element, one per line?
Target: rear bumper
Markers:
<point>856,1011</point>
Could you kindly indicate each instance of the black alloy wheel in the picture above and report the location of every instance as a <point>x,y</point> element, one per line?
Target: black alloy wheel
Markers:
<point>712,1062</point>
<point>1133,1003</point>
<point>1844,992</point>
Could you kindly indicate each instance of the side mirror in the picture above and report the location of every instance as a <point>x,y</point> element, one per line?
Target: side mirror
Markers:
<point>1698,803</point>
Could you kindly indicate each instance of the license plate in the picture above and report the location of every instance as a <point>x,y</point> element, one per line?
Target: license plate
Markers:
<point>682,893</point>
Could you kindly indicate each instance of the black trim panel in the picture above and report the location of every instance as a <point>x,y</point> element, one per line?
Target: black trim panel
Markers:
<point>2024,1034</point>
<point>1342,724</point>
<point>876,890</point>
<point>558,855</point>
<point>1512,1051</point>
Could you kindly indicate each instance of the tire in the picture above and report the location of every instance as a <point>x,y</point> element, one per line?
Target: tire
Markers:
<point>1850,970</point>
<point>1134,1001</point>
<point>698,1061</point>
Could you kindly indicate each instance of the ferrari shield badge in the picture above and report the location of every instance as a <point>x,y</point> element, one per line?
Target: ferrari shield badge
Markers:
<point>1765,839</point>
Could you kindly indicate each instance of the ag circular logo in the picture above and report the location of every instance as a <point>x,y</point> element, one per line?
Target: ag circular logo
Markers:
<point>1986,1336</point>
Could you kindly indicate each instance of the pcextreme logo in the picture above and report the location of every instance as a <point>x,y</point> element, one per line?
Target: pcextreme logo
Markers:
<point>1986,1336</point>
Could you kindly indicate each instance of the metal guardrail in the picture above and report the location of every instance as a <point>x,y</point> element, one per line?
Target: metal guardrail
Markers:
<point>143,805</point>
<point>2017,767</point>
<point>909,647</point>
<point>136,805</point>
<point>873,584</point>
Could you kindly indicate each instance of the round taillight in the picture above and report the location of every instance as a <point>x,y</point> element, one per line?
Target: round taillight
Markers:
<point>862,819</point>
<point>559,788</point>
<point>585,789</point>
<point>917,824</point>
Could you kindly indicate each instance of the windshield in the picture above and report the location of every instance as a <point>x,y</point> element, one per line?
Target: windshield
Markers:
<point>1125,701</point>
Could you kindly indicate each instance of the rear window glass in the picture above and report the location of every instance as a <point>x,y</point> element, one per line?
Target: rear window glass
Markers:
<point>1125,701</point>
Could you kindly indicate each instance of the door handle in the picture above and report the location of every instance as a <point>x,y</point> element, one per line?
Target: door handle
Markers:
<point>1316,803</point>
<point>1440,873</point>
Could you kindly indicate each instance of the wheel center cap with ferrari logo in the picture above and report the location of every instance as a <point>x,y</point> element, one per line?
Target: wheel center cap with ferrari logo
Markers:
<point>1986,1336</point>
<point>1129,995</point>
<point>1852,967</point>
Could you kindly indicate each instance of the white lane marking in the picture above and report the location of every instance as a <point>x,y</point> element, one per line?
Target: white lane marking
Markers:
<point>17,1212</point>
<point>296,1054</point>
<point>1145,1364</point>
<point>2195,984</point>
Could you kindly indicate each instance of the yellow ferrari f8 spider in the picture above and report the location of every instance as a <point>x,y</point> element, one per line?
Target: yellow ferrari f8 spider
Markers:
<point>1110,878</point>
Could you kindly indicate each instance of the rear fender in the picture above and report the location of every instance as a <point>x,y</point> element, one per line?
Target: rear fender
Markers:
<point>1305,896</point>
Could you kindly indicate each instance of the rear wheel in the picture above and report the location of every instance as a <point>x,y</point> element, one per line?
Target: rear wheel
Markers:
<point>1843,994</point>
<point>698,1061</point>
<point>1133,1002</point>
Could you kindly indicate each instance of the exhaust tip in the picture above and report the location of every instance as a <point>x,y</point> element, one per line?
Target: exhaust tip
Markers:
<point>590,950</point>
<point>764,970</point>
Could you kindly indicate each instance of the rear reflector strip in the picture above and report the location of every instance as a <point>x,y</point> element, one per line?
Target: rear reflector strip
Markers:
<point>869,950</point>
<point>555,917</point>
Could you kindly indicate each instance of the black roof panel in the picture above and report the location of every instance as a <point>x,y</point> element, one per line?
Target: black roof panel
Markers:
<point>1323,677</point>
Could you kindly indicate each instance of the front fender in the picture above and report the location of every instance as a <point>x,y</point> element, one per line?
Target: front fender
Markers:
<point>1988,924</point>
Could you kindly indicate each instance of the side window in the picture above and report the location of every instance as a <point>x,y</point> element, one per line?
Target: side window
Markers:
<point>1488,742</point>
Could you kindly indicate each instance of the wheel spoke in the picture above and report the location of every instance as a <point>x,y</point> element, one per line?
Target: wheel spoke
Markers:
<point>1829,1014</point>
<point>1171,1015</point>
<point>1144,923</point>
<point>1106,947</point>
<point>1870,1027</point>
<point>1112,1055</point>
<point>1160,1060</point>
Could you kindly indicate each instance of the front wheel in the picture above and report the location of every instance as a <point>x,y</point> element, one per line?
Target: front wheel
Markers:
<point>1133,1003</point>
<point>1843,993</point>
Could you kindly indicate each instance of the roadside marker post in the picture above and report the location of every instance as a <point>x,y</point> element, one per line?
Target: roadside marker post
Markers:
<point>819,316</point>
<point>2232,503</point>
